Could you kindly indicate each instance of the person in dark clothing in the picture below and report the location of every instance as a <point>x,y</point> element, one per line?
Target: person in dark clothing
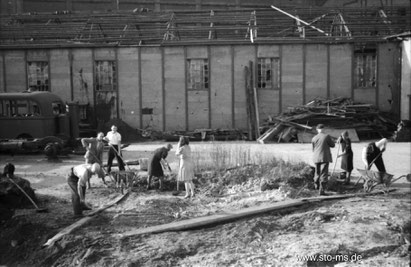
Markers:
<point>346,156</point>
<point>322,157</point>
<point>372,154</point>
<point>155,168</point>
<point>8,170</point>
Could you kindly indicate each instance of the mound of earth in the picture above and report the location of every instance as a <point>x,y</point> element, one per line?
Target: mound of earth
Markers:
<point>12,197</point>
<point>368,230</point>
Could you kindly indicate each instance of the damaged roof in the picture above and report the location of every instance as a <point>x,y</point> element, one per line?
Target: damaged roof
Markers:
<point>143,27</point>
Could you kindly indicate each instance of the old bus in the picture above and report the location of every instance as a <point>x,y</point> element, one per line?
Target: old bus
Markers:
<point>29,115</point>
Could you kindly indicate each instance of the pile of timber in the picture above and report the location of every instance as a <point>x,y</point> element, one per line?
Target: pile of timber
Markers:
<point>403,132</point>
<point>363,121</point>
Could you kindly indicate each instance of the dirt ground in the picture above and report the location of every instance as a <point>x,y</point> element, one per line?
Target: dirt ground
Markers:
<point>357,231</point>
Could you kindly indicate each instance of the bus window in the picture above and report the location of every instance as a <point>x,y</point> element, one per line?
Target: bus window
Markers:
<point>35,108</point>
<point>58,108</point>
<point>22,108</point>
<point>11,108</point>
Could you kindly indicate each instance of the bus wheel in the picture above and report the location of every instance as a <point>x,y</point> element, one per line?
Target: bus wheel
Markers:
<point>50,139</point>
<point>51,150</point>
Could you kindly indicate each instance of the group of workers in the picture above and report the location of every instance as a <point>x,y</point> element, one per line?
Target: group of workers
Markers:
<point>321,144</point>
<point>79,177</point>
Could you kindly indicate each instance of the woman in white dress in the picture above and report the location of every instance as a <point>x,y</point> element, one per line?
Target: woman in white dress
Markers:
<point>186,171</point>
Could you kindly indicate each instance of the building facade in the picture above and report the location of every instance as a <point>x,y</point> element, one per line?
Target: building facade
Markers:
<point>187,84</point>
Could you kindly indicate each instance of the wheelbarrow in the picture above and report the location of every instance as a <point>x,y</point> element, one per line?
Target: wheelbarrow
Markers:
<point>375,178</point>
<point>125,180</point>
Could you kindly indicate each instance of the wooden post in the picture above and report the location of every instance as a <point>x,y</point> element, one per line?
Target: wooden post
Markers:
<point>250,93</point>
<point>257,115</point>
<point>247,78</point>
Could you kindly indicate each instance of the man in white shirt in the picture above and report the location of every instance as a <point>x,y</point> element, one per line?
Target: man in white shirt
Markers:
<point>114,140</point>
<point>77,180</point>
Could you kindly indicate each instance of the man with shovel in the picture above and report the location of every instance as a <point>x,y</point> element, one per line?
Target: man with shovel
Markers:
<point>94,151</point>
<point>322,157</point>
<point>372,154</point>
<point>77,180</point>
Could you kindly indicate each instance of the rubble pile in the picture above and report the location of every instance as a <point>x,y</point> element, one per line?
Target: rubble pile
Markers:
<point>12,198</point>
<point>298,123</point>
<point>403,132</point>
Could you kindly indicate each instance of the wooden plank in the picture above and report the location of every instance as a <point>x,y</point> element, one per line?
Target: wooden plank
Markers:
<point>302,126</point>
<point>250,94</point>
<point>234,215</point>
<point>271,133</point>
<point>288,133</point>
<point>81,222</point>
<point>257,115</point>
<point>247,74</point>
<point>266,135</point>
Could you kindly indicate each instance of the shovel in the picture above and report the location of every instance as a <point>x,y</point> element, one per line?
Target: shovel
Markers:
<point>336,159</point>
<point>31,200</point>
<point>165,165</point>
<point>119,155</point>
<point>372,162</point>
<point>101,164</point>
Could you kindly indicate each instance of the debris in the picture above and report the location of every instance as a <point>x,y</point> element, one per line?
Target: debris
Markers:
<point>298,123</point>
<point>81,222</point>
<point>403,132</point>
<point>11,196</point>
<point>233,215</point>
<point>38,209</point>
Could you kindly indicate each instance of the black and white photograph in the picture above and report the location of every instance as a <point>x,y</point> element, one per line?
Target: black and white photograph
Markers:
<point>205,133</point>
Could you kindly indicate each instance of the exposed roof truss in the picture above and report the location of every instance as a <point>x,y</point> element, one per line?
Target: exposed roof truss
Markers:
<point>246,25</point>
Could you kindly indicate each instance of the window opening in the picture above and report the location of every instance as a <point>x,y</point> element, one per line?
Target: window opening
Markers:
<point>268,73</point>
<point>198,74</point>
<point>38,75</point>
<point>106,77</point>
<point>365,75</point>
<point>58,108</point>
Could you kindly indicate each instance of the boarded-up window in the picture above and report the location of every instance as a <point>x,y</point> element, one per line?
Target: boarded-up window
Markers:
<point>365,75</point>
<point>197,76</point>
<point>38,75</point>
<point>268,73</point>
<point>106,75</point>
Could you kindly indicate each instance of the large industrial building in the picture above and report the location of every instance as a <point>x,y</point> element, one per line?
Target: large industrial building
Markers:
<point>157,64</point>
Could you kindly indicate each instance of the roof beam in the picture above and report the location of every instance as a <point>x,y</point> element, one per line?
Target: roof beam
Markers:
<point>171,31</point>
<point>300,29</point>
<point>300,20</point>
<point>211,32</point>
<point>339,26</point>
<point>385,19</point>
<point>252,27</point>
